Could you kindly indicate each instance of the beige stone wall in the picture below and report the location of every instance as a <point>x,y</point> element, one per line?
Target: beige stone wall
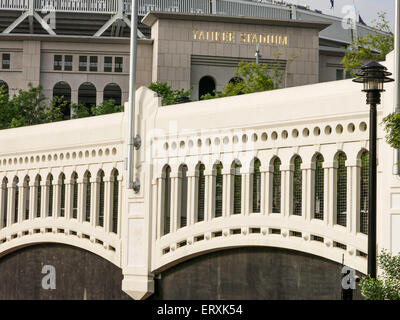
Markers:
<point>32,61</point>
<point>175,45</point>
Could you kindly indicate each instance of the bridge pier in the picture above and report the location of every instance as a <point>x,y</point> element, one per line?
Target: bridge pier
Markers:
<point>138,287</point>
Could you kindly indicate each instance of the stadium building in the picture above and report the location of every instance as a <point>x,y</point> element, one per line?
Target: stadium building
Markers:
<point>79,49</point>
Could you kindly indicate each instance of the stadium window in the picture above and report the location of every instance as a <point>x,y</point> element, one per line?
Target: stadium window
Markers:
<point>82,63</point>
<point>68,63</point>
<point>118,64</point>
<point>57,63</point>
<point>108,64</point>
<point>93,63</point>
<point>6,61</point>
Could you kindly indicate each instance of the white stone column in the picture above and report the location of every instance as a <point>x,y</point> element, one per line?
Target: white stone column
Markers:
<point>191,197</point>
<point>68,199</point>
<point>10,203</point>
<point>175,197</point>
<point>227,194</point>
<point>2,205</point>
<point>44,199</point>
<point>209,194</point>
<point>330,181</point>
<point>266,189</point>
<point>160,209</point>
<point>81,199</point>
<point>353,195</point>
<point>32,199</point>
<point>56,199</point>
<point>21,202</point>
<point>120,181</point>
<point>304,193</point>
<point>309,172</point>
<point>94,205</point>
<point>286,190</point>
<point>246,194</point>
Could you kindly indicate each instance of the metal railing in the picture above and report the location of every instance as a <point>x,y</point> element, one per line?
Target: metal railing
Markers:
<point>14,4</point>
<point>79,6</point>
<point>223,7</point>
<point>186,6</point>
<point>252,9</point>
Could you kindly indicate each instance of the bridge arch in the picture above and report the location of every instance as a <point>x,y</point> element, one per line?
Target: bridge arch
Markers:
<point>80,273</point>
<point>251,272</point>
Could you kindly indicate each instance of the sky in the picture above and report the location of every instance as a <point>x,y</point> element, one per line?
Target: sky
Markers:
<point>368,9</point>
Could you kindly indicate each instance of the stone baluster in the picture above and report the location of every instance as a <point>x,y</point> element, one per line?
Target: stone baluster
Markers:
<point>21,203</point>
<point>308,190</point>
<point>353,195</point>
<point>209,194</point>
<point>95,197</point>
<point>266,189</point>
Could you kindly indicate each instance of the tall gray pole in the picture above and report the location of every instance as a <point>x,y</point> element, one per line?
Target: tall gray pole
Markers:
<point>132,91</point>
<point>396,169</point>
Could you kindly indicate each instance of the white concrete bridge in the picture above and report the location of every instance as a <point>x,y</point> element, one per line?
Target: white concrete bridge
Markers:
<point>285,169</point>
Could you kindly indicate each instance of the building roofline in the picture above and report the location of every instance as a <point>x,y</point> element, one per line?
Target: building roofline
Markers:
<point>152,16</point>
<point>64,38</point>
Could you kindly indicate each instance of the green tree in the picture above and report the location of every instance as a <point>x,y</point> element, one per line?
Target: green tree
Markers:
<point>251,77</point>
<point>387,286</point>
<point>79,110</point>
<point>392,128</point>
<point>7,111</point>
<point>29,107</point>
<point>106,107</point>
<point>168,95</point>
<point>53,113</point>
<point>373,46</point>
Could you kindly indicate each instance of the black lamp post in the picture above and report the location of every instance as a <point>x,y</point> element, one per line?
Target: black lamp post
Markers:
<point>373,76</point>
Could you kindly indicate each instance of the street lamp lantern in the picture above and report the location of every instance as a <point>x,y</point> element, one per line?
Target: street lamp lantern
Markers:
<point>373,75</point>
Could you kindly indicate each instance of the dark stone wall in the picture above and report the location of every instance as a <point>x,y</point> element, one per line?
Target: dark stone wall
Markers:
<point>250,273</point>
<point>79,274</point>
<point>253,273</point>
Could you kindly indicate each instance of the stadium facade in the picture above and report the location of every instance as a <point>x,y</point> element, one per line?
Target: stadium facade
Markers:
<point>80,49</point>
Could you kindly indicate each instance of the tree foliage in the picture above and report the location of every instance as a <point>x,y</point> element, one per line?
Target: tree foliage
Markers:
<point>373,46</point>
<point>392,128</point>
<point>31,107</point>
<point>251,77</point>
<point>106,107</point>
<point>168,96</point>
<point>386,287</point>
